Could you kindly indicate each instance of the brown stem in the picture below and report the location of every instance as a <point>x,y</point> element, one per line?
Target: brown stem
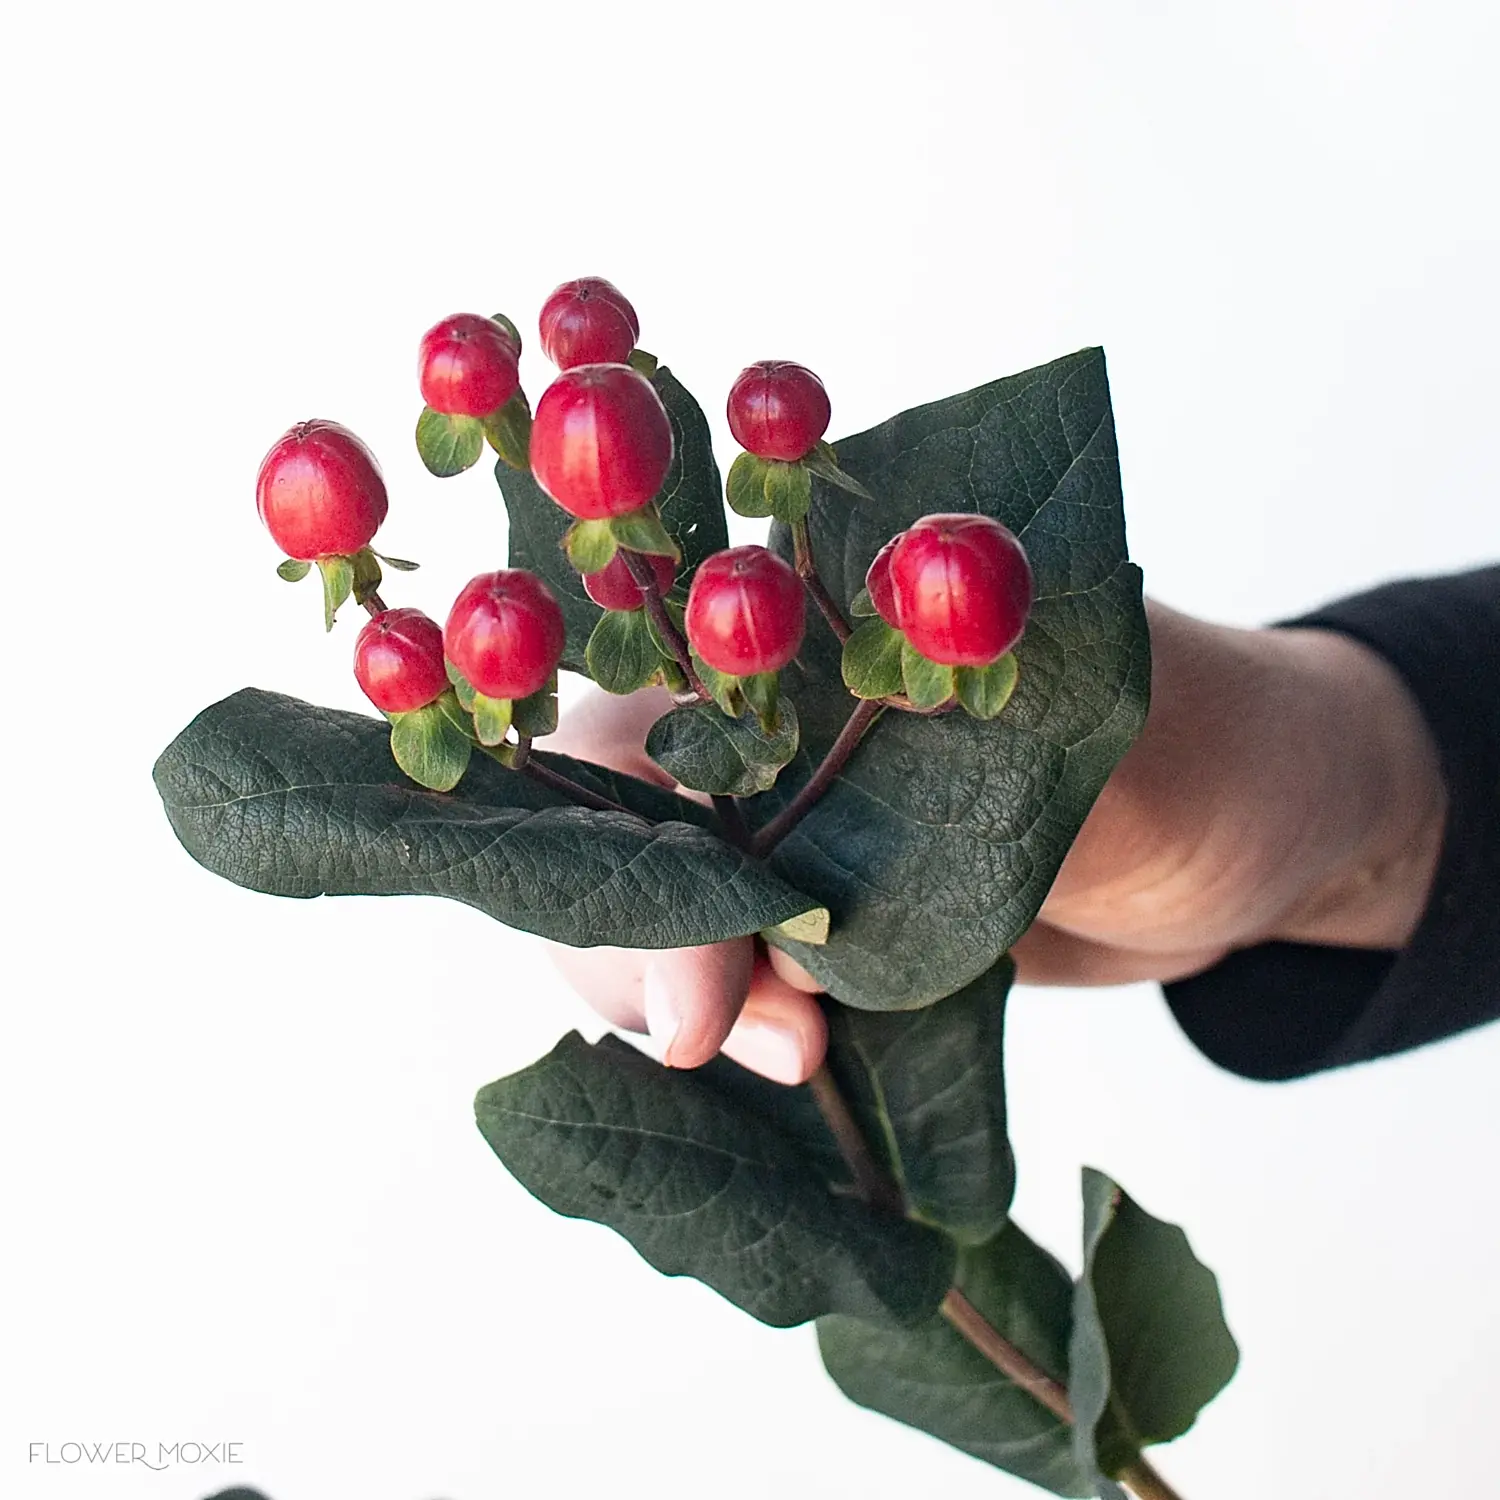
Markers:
<point>866,711</point>
<point>374,603</point>
<point>1146,1482</point>
<point>1004,1355</point>
<point>732,820</point>
<point>807,571</point>
<point>569,788</point>
<point>521,757</point>
<point>666,626</point>
<point>870,1180</point>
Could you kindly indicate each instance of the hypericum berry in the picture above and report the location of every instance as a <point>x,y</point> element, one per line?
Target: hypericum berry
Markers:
<point>962,588</point>
<point>878,583</point>
<point>601,443</point>
<point>778,409</point>
<point>612,587</point>
<point>468,366</point>
<point>588,322</point>
<point>319,491</point>
<point>745,612</point>
<point>505,633</point>
<point>398,660</point>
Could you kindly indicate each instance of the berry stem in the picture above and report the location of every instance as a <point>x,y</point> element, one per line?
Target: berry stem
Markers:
<point>522,755</point>
<point>526,765</point>
<point>732,821</point>
<point>807,570</point>
<point>866,711</point>
<point>666,626</point>
<point>374,603</point>
<point>875,1187</point>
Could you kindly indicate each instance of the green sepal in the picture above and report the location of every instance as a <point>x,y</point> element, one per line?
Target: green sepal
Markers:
<point>862,606</point>
<point>508,432</point>
<point>643,363</point>
<point>824,462</point>
<point>745,487</point>
<point>460,717</point>
<point>338,584</point>
<point>536,716</point>
<point>400,564</point>
<point>430,747</point>
<point>788,491</point>
<point>509,327</point>
<point>762,691</point>
<point>590,545</point>
<point>642,531</point>
<point>366,574</point>
<point>462,688</point>
<point>927,683</point>
<point>293,569</point>
<point>722,688</point>
<point>622,653</point>
<point>873,657</point>
<point>448,445</point>
<point>811,927</point>
<point>984,691</point>
<point>491,719</point>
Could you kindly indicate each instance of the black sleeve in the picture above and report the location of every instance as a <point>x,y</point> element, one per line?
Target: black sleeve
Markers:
<point>1284,1010</point>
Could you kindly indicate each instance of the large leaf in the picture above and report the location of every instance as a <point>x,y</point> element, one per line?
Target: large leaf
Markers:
<point>605,1133</point>
<point>930,1377</point>
<point>1150,1347</point>
<point>937,843</point>
<point>691,503</point>
<point>283,797</point>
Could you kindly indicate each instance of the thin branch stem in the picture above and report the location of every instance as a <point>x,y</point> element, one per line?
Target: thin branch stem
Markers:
<point>374,603</point>
<point>866,711</point>
<point>1147,1484</point>
<point>521,758</point>
<point>870,1180</point>
<point>1005,1357</point>
<point>666,626</point>
<point>807,570</point>
<point>732,821</point>
<point>569,788</point>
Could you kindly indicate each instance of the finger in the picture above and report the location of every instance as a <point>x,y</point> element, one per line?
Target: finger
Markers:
<point>1048,956</point>
<point>692,997</point>
<point>782,1032</point>
<point>609,979</point>
<point>788,969</point>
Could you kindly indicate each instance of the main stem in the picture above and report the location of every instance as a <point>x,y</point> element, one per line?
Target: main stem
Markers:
<point>807,570</point>
<point>666,626</point>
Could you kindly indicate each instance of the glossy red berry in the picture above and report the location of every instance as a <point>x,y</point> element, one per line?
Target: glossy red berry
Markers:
<point>962,588</point>
<point>505,633</point>
<point>319,491</point>
<point>588,322</point>
<point>601,443</point>
<point>398,660</point>
<point>612,587</point>
<point>745,612</point>
<point>468,366</point>
<point>778,409</point>
<point>878,582</point>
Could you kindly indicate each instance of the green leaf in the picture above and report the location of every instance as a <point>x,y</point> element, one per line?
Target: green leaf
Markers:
<point>462,687</point>
<point>293,569</point>
<point>622,653</point>
<point>927,683</point>
<point>508,432</point>
<point>400,564</point>
<point>984,691</point>
<point>862,606</point>
<point>367,575</point>
<point>762,691</point>
<point>970,820</point>
<point>590,545</point>
<point>294,800</point>
<point>931,1378</point>
<point>338,584</point>
<point>702,748</point>
<point>536,716</point>
<point>1150,1347</point>
<point>642,531</point>
<point>691,505</point>
<point>643,363</point>
<point>745,487</point>
<point>788,489</point>
<point>723,688</point>
<point>509,327</point>
<point>430,747</point>
<point>700,1190</point>
<point>491,719</point>
<point>824,462</point>
<point>871,664</point>
<point>448,445</point>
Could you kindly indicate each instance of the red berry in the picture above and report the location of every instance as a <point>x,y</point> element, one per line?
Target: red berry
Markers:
<point>962,587</point>
<point>588,322</point>
<point>601,443</point>
<point>612,587</point>
<point>319,491</point>
<point>505,633</point>
<point>398,660</point>
<point>744,612</point>
<point>468,366</point>
<point>778,409</point>
<point>878,582</point>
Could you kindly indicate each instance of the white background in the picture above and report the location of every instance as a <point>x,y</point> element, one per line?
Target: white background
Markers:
<point>245,1196</point>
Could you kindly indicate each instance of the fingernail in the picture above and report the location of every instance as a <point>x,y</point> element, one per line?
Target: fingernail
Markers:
<point>663,1011</point>
<point>765,1047</point>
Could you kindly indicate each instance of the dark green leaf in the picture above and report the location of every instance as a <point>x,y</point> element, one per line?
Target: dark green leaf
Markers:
<point>491,719</point>
<point>430,747</point>
<point>338,584</point>
<point>1150,1347</point>
<point>929,1377</point>
<point>927,683</point>
<point>294,800</point>
<point>237,1494</point>
<point>704,749</point>
<point>745,488</point>
<point>691,505</point>
<point>936,844</point>
<point>984,691</point>
<point>622,653</point>
<point>701,1190</point>
<point>590,545</point>
<point>293,569</point>
<point>536,716</point>
<point>788,491</point>
<point>448,445</point>
<point>871,664</point>
<point>824,462</point>
<point>508,432</point>
<point>642,531</point>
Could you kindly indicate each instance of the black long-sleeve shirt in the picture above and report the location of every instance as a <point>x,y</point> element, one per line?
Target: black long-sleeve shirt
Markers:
<point>1284,1010</point>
